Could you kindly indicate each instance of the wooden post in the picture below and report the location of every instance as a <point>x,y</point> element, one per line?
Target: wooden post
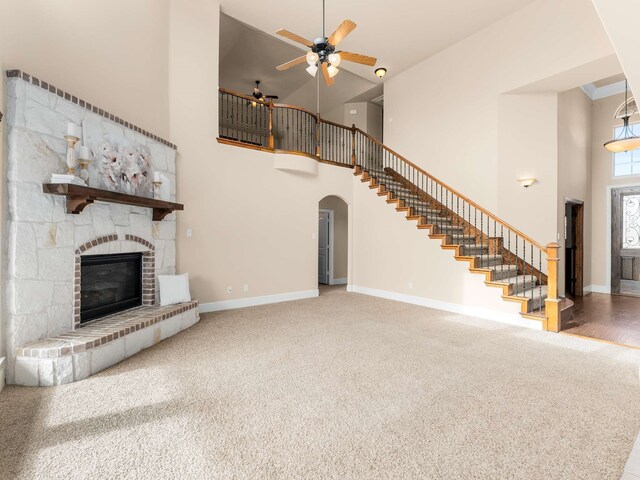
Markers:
<point>272,142</point>
<point>551,322</point>
<point>353,144</point>
<point>318,136</point>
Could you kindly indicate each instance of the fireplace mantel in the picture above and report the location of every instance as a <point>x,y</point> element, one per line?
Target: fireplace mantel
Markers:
<point>78,197</point>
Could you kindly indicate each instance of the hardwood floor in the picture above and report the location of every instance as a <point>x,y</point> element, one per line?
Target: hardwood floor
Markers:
<point>613,318</point>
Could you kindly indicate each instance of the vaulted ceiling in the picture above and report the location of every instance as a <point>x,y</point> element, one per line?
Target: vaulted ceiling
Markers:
<point>399,33</point>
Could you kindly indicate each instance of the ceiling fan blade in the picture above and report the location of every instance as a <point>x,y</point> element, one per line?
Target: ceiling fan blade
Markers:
<point>342,31</point>
<point>294,37</point>
<point>357,58</point>
<point>325,73</point>
<point>292,63</point>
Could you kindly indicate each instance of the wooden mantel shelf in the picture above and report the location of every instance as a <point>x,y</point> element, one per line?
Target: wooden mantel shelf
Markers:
<point>78,197</point>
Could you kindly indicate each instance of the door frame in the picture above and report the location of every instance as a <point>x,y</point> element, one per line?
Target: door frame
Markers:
<point>608,194</point>
<point>578,232</point>
<point>612,247</point>
<point>330,213</point>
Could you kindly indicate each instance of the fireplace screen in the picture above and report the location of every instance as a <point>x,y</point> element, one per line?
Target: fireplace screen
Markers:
<point>109,284</point>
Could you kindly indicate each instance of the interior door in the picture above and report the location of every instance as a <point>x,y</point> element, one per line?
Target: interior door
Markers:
<point>574,248</point>
<point>625,240</point>
<point>323,247</point>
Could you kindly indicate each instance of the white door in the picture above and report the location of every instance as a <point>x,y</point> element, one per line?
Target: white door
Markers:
<point>323,247</point>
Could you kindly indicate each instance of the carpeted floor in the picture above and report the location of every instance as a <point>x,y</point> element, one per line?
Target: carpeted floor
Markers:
<point>342,386</point>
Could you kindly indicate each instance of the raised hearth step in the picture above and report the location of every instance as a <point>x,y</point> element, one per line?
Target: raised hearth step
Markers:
<point>79,353</point>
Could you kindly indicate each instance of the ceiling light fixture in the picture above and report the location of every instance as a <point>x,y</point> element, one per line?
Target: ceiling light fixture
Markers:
<point>323,54</point>
<point>380,72</point>
<point>312,58</point>
<point>334,59</point>
<point>627,140</point>
<point>312,70</point>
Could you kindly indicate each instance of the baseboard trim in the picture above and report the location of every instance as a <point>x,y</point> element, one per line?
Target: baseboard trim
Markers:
<point>255,301</point>
<point>339,281</point>
<point>510,319</point>
<point>597,289</point>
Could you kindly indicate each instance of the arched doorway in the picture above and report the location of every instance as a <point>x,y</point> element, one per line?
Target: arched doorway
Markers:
<point>333,243</point>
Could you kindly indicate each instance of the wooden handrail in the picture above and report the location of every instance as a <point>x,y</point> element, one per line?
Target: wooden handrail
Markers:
<point>335,124</point>
<point>454,191</point>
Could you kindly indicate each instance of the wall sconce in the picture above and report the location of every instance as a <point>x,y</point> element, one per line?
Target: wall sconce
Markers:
<point>526,182</point>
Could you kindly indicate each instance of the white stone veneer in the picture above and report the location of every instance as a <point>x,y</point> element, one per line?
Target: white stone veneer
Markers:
<point>41,236</point>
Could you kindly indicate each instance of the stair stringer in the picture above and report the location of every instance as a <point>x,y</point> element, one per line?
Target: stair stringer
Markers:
<point>392,253</point>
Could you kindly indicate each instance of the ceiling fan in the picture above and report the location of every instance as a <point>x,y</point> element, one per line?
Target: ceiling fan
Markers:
<point>258,95</point>
<point>323,51</point>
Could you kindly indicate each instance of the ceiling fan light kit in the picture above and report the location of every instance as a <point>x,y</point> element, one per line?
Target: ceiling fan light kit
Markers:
<point>323,53</point>
<point>258,95</point>
<point>312,70</point>
<point>333,71</point>
<point>312,58</point>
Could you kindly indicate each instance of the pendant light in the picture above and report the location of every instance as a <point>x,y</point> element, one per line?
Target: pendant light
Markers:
<point>627,140</point>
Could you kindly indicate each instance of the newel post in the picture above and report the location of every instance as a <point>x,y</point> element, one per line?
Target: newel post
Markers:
<point>272,142</point>
<point>353,144</point>
<point>551,321</point>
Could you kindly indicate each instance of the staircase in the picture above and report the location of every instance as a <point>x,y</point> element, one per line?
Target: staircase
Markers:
<point>525,270</point>
<point>519,281</point>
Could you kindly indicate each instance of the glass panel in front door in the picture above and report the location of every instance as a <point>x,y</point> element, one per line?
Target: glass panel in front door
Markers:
<point>631,221</point>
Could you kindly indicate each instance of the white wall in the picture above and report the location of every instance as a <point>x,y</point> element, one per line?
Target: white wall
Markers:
<point>252,224</point>
<point>375,121</point>
<point>527,147</point>
<point>368,117</point>
<point>111,53</point>
<point>454,131</point>
<point>574,169</point>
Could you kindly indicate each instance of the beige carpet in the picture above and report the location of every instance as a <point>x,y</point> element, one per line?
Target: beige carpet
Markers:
<point>342,386</point>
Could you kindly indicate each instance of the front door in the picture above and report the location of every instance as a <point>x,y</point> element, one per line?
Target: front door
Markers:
<point>625,240</point>
<point>323,247</point>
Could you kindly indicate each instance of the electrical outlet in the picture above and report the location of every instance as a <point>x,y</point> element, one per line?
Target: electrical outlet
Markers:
<point>246,287</point>
<point>229,289</point>
<point>353,112</point>
<point>189,232</point>
<point>410,285</point>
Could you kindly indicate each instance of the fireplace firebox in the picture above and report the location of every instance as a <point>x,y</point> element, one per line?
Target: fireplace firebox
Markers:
<point>109,284</point>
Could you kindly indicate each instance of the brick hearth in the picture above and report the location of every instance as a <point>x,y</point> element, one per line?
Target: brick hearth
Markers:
<point>75,355</point>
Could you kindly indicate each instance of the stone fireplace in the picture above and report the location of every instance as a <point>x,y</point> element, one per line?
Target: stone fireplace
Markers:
<point>49,249</point>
